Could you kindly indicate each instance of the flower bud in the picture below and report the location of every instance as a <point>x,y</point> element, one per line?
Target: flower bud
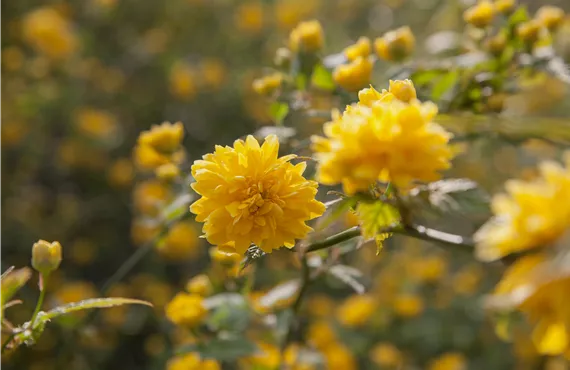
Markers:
<point>551,17</point>
<point>199,285</point>
<point>529,31</point>
<point>395,45</point>
<point>496,44</point>
<point>167,172</point>
<point>403,90</point>
<point>46,256</point>
<point>505,6</point>
<point>360,49</point>
<point>225,255</point>
<point>268,85</point>
<point>307,37</point>
<point>355,75</point>
<point>480,15</point>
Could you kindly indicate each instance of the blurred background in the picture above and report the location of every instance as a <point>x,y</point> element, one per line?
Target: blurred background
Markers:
<point>82,79</point>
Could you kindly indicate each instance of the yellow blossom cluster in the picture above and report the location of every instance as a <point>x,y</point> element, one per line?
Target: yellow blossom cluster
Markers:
<point>192,361</point>
<point>250,195</point>
<point>186,310</point>
<point>160,146</point>
<point>387,136</point>
<point>49,32</point>
<point>307,37</point>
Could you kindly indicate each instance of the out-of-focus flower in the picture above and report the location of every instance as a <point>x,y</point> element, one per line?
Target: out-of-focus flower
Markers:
<point>356,310</point>
<point>266,357</point>
<point>46,256</point>
<point>121,173</point>
<point>164,138</point>
<point>249,16</point>
<point>149,196</point>
<point>539,288</point>
<point>186,310</point>
<point>307,37</point>
<point>533,214</point>
<point>182,81</point>
<point>213,72</point>
<point>529,31</point>
<point>395,45</point>
<point>199,284</point>
<point>339,357</point>
<point>467,280</point>
<point>481,14</point>
<point>496,44</point>
<point>249,195</point>
<point>354,75</point>
<point>288,13</point>
<point>96,123</point>
<point>188,361</point>
<point>320,305</point>
<point>408,305</point>
<point>180,243</point>
<point>449,361</point>
<point>386,355</point>
<point>12,58</point>
<point>382,138</point>
<point>550,16</point>
<point>429,269</point>
<point>167,172</point>
<point>225,254</point>
<point>320,334</point>
<point>359,49</point>
<point>143,231</point>
<point>269,84</point>
<point>47,31</point>
<point>505,6</point>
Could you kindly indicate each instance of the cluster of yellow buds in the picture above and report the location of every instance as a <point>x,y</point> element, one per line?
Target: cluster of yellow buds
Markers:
<point>354,75</point>
<point>481,14</point>
<point>160,149</point>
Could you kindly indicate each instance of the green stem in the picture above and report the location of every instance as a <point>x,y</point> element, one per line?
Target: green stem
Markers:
<point>40,302</point>
<point>345,235</point>
<point>5,345</point>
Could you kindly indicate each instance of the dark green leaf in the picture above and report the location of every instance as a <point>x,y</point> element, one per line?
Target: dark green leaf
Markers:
<point>221,349</point>
<point>444,85</point>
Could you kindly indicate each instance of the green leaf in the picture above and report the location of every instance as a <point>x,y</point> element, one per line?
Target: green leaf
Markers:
<point>444,85</point>
<point>376,216</point>
<point>519,16</point>
<point>221,349</point>
<point>322,78</point>
<point>424,77</point>
<point>90,303</point>
<point>278,111</point>
<point>12,281</point>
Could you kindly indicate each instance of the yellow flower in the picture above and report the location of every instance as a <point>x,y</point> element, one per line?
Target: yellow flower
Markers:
<point>320,334</point>
<point>167,172</point>
<point>266,357</point>
<point>189,361</point>
<point>360,49</point>
<point>96,123</point>
<point>199,284</point>
<point>356,310</point>
<point>46,256</point>
<point>249,17</point>
<point>164,138</point>
<point>249,195</point>
<point>182,81</point>
<point>121,173</point>
<point>382,138</point>
<point>551,17</point>
<point>213,72</point>
<point>481,14</point>
<point>395,45</point>
<point>408,305</point>
<point>355,75</point>
<point>49,33</point>
<point>269,84</point>
<point>529,31</point>
<point>505,6</point>
<point>541,290</point>
<point>307,37</point>
<point>338,357</point>
<point>225,254</point>
<point>429,269</point>
<point>533,214</point>
<point>149,196</point>
<point>386,355</point>
<point>449,361</point>
<point>180,243</point>
<point>186,310</point>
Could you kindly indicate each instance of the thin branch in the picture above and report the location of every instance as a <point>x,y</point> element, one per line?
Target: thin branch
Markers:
<point>345,235</point>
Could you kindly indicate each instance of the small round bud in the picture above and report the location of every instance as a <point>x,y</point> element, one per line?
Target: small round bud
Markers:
<point>46,256</point>
<point>359,49</point>
<point>269,84</point>
<point>307,37</point>
<point>505,6</point>
<point>395,45</point>
<point>480,15</point>
<point>403,90</point>
<point>200,285</point>
<point>167,172</point>
<point>529,31</point>
<point>355,75</point>
<point>550,16</point>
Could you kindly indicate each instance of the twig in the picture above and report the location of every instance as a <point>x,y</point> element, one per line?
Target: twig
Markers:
<point>345,235</point>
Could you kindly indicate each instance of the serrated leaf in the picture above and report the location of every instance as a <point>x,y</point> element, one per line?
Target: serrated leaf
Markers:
<point>278,111</point>
<point>221,349</point>
<point>322,78</point>
<point>376,216</point>
<point>12,281</point>
<point>89,304</point>
<point>280,293</point>
<point>349,276</point>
